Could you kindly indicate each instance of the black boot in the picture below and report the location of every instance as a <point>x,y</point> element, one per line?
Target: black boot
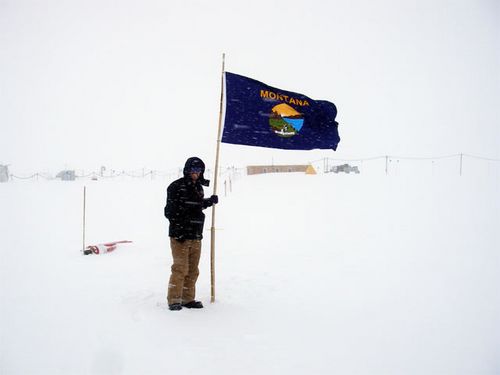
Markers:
<point>193,305</point>
<point>175,306</point>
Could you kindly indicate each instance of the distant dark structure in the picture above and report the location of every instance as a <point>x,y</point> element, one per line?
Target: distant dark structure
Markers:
<point>4,173</point>
<point>67,175</point>
<point>346,168</point>
<point>262,169</point>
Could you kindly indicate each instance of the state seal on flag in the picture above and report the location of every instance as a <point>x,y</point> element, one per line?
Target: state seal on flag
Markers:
<point>285,121</point>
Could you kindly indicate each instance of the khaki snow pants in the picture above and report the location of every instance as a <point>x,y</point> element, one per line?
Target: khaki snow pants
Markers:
<point>186,256</point>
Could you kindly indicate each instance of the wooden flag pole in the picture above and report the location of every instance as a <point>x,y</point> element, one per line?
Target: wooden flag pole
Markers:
<point>216,175</point>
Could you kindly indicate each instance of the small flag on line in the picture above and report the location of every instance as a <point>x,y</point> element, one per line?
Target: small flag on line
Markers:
<point>260,115</point>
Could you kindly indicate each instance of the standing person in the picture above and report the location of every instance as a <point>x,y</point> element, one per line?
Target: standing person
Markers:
<point>185,203</point>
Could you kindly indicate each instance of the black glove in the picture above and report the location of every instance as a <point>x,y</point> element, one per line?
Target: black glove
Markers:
<point>214,199</point>
<point>180,238</point>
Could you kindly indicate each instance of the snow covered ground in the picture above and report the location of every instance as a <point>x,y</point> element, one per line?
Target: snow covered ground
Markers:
<point>324,274</point>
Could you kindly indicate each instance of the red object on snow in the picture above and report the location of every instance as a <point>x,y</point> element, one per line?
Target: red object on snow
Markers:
<point>103,248</point>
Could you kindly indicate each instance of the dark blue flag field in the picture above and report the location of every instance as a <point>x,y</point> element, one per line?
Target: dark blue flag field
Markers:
<point>265,116</point>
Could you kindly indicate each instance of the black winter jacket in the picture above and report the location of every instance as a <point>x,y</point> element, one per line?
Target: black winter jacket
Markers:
<point>185,202</point>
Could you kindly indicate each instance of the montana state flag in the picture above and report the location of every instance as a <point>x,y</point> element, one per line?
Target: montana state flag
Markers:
<point>260,115</point>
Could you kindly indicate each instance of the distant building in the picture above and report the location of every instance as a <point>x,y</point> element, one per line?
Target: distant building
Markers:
<point>67,175</point>
<point>346,168</point>
<point>261,169</point>
<point>4,173</point>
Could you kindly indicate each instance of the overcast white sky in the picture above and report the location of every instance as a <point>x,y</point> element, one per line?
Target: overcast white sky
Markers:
<point>134,84</point>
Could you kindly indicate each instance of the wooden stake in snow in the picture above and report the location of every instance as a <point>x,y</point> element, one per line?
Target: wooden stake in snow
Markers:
<point>216,174</point>
<point>84,204</point>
